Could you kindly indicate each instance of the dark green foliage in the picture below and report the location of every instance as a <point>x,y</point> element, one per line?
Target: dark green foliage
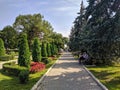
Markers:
<point>9,36</point>
<point>48,50</point>
<point>52,49</point>
<point>2,48</point>
<point>45,60</point>
<point>36,52</point>
<point>23,76</point>
<point>96,30</point>
<point>24,54</point>
<point>12,68</point>
<point>37,26</point>
<point>44,50</point>
<point>6,57</point>
<point>55,50</point>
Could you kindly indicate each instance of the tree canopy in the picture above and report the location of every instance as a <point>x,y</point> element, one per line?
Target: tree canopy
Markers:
<point>9,36</point>
<point>33,25</point>
<point>96,29</point>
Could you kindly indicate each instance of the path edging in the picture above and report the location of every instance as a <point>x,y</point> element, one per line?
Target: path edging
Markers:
<point>41,79</point>
<point>96,80</point>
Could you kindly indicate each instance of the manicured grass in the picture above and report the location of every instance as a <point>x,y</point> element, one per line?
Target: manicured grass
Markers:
<point>12,82</point>
<point>108,75</point>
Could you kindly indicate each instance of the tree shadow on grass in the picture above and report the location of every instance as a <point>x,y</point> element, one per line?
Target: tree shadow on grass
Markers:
<point>108,79</point>
<point>102,74</point>
<point>9,82</point>
<point>113,84</point>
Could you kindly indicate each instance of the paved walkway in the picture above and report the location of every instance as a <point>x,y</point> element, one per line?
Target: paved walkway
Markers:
<point>68,75</point>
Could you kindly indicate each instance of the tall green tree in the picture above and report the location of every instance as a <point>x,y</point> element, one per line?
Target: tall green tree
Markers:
<point>33,26</point>
<point>24,53</point>
<point>36,52</point>
<point>48,50</point>
<point>2,48</point>
<point>44,50</point>
<point>99,34</point>
<point>9,36</point>
<point>52,49</point>
<point>78,31</point>
<point>58,39</point>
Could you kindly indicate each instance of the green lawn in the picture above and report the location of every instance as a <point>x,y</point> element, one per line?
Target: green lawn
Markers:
<point>12,82</point>
<point>108,75</point>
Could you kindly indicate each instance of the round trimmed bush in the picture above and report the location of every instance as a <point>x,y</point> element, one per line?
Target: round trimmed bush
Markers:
<point>24,76</point>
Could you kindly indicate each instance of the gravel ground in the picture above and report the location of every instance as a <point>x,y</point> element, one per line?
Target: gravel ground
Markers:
<point>67,74</point>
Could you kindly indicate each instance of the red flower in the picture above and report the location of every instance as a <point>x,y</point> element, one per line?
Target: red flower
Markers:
<point>36,67</point>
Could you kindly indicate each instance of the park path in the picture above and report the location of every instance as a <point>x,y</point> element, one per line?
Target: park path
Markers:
<point>67,74</point>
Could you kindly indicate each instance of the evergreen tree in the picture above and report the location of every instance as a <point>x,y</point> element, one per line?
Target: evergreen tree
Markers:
<point>55,50</point>
<point>77,32</point>
<point>36,52</point>
<point>48,50</point>
<point>99,34</point>
<point>44,50</point>
<point>9,35</point>
<point>24,54</point>
<point>52,49</point>
<point>2,48</point>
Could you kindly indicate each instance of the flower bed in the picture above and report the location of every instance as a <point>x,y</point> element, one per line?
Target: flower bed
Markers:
<point>36,67</point>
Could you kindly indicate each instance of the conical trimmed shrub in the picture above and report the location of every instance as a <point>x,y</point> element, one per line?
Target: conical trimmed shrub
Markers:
<point>36,52</point>
<point>2,48</point>
<point>48,50</point>
<point>55,50</point>
<point>44,50</point>
<point>52,49</point>
<point>24,54</point>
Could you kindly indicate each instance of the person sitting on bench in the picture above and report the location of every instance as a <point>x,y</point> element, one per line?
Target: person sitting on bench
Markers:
<point>84,56</point>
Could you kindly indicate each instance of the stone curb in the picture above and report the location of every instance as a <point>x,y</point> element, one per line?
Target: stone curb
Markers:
<point>96,80</point>
<point>41,79</point>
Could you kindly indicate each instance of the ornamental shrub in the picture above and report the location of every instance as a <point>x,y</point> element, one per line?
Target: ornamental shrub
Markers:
<point>24,54</point>
<point>13,69</point>
<point>2,48</point>
<point>36,52</point>
<point>55,50</point>
<point>6,57</point>
<point>45,60</point>
<point>24,76</point>
<point>36,67</point>
<point>44,50</point>
<point>48,50</point>
<point>52,49</point>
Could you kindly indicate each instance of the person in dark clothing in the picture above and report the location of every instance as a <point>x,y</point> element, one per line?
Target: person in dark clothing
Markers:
<point>84,56</point>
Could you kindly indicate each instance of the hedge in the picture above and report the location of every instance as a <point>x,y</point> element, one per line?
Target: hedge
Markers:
<point>13,69</point>
<point>6,57</point>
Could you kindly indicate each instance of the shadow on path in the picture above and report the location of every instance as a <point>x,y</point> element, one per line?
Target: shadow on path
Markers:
<point>68,75</point>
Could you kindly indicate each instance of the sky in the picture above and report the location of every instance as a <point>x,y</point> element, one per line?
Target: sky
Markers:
<point>60,13</point>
